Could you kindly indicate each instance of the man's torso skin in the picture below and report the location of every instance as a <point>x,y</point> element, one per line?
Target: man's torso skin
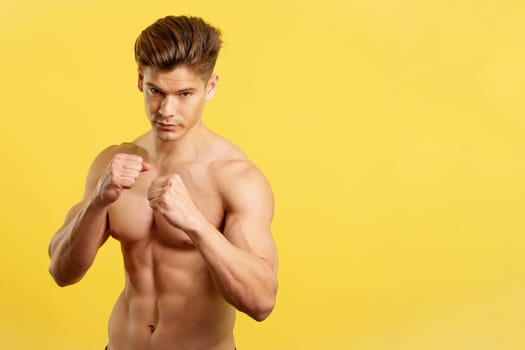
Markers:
<point>169,300</point>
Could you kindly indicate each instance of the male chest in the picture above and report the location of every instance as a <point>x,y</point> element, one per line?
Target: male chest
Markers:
<point>131,218</point>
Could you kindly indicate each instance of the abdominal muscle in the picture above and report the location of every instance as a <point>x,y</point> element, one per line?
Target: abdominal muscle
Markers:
<point>169,303</point>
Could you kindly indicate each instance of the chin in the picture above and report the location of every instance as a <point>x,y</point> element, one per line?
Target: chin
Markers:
<point>167,137</point>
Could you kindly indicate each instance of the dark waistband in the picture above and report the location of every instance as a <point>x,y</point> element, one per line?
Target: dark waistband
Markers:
<point>106,348</point>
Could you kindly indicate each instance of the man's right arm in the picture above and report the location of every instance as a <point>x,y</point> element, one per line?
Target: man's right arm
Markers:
<point>73,248</point>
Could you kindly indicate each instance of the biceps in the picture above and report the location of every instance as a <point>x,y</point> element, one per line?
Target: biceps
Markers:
<point>252,236</point>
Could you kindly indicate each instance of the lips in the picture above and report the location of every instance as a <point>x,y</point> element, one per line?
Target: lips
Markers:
<point>167,126</point>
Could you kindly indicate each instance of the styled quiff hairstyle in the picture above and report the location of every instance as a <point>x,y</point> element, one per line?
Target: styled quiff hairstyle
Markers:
<point>172,41</point>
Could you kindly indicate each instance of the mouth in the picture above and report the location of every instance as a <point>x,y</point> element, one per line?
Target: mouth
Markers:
<point>166,126</point>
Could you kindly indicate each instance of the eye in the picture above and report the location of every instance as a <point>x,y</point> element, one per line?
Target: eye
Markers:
<point>154,91</point>
<point>186,93</point>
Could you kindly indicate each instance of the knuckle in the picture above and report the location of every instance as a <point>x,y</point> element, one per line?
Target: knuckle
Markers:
<point>119,157</point>
<point>114,166</point>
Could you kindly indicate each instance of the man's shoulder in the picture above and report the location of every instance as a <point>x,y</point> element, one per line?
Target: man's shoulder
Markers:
<point>236,177</point>
<point>126,147</point>
<point>233,167</point>
<point>104,157</point>
<point>229,162</point>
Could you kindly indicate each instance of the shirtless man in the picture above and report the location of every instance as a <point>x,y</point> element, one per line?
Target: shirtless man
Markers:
<point>191,212</point>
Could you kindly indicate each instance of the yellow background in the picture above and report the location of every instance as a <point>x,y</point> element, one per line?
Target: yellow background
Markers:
<point>392,133</point>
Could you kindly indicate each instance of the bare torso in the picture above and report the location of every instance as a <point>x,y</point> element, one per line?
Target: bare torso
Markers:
<point>193,217</point>
<point>169,300</point>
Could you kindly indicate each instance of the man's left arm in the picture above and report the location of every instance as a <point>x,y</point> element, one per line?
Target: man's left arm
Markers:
<point>243,260</point>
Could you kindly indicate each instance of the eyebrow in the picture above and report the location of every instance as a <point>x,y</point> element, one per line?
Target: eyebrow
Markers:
<point>178,91</point>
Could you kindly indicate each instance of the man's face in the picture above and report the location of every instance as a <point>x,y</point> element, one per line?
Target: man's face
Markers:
<point>174,100</point>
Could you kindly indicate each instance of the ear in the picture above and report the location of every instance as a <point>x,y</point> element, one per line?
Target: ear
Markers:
<point>140,79</point>
<point>211,87</point>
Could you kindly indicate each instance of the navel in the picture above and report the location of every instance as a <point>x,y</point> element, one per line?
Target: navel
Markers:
<point>151,327</point>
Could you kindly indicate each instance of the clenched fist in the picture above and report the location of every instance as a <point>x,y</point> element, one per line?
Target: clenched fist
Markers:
<point>120,174</point>
<point>168,196</point>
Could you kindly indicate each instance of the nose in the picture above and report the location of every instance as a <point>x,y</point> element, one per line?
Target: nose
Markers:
<point>167,107</point>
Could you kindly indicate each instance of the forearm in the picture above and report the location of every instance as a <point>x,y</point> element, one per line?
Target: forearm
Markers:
<point>246,281</point>
<point>74,247</point>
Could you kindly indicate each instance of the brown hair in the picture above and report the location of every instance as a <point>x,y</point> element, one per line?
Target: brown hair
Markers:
<point>179,41</point>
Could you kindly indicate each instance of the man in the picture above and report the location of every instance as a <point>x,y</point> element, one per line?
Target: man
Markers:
<point>191,212</point>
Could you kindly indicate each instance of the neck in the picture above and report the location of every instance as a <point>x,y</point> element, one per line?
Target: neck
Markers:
<point>187,148</point>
